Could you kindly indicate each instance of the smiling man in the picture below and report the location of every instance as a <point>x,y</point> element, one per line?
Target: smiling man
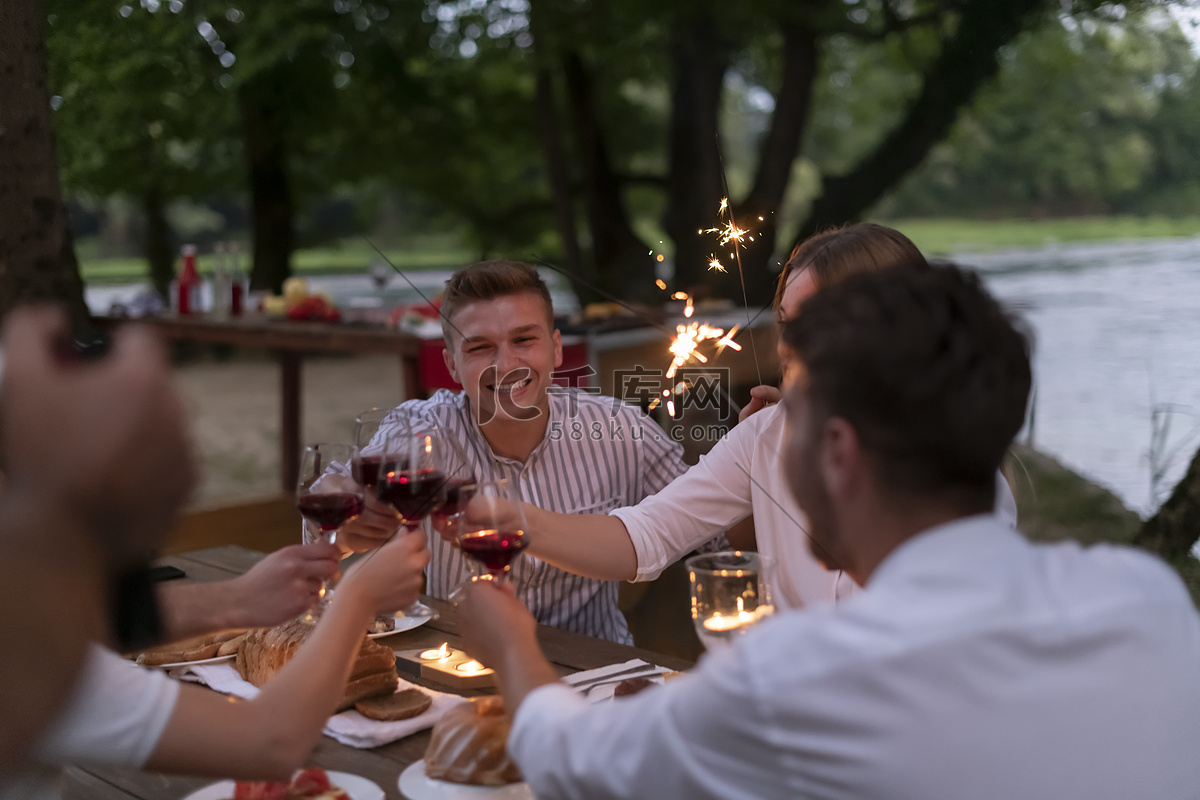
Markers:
<point>564,449</point>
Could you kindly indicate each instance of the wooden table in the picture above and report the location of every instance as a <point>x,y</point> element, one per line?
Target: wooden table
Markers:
<point>570,652</point>
<point>290,340</point>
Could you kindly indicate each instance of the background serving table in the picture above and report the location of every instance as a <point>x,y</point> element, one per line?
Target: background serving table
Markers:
<point>290,340</point>
<point>570,652</point>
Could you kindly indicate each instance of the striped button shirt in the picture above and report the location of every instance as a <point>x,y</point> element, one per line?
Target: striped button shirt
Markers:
<point>598,454</point>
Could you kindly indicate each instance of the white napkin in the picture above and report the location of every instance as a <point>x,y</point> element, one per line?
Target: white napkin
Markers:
<point>349,727</point>
<point>605,690</point>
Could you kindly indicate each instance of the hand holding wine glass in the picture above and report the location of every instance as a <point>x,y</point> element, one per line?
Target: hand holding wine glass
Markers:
<point>326,498</point>
<point>492,528</point>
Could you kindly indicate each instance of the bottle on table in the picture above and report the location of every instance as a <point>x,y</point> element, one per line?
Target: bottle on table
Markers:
<point>237,278</point>
<point>187,287</point>
<point>222,284</point>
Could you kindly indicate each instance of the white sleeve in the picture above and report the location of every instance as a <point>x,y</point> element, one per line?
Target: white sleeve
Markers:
<point>699,736</point>
<point>116,713</point>
<point>694,507</point>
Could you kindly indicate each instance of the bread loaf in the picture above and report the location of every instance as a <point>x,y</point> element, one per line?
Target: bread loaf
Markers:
<point>468,745</point>
<point>264,652</point>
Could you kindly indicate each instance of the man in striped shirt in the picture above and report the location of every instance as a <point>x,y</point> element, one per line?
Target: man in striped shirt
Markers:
<point>563,449</point>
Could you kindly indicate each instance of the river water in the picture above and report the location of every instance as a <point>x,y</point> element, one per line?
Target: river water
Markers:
<point>1117,328</point>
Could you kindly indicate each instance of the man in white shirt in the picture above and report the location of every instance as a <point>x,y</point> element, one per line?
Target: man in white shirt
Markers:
<point>974,664</point>
<point>564,449</point>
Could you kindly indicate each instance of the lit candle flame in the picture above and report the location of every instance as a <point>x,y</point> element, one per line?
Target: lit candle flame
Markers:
<point>435,655</point>
<point>471,666</point>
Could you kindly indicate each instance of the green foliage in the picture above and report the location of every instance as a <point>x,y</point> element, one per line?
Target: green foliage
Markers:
<point>1071,125</point>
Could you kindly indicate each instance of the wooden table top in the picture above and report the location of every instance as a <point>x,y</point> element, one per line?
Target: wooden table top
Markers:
<point>271,333</point>
<point>570,652</point>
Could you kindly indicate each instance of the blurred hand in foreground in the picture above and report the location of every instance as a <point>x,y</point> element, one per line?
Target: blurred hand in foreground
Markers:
<point>284,584</point>
<point>760,398</point>
<point>494,623</point>
<point>392,576</point>
<point>105,439</point>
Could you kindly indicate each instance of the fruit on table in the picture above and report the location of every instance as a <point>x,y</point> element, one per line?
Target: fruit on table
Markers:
<point>314,309</point>
<point>295,290</point>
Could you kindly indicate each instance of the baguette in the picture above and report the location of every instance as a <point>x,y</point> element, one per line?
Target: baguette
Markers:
<point>193,649</point>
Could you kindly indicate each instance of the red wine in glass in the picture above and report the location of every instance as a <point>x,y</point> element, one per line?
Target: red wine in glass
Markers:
<point>414,494</point>
<point>494,549</point>
<point>331,511</point>
<point>454,500</point>
<point>366,469</point>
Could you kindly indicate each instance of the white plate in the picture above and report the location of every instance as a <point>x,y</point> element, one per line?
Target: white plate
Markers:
<point>416,785</point>
<point>213,660</point>
<point>358,788</point>
<point>405,623</point>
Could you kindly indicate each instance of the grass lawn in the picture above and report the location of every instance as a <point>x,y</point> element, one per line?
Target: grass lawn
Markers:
<point>348,256</point>
<point>953,236</point>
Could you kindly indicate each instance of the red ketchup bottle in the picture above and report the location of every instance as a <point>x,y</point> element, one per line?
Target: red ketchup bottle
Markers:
<point>188,286</point>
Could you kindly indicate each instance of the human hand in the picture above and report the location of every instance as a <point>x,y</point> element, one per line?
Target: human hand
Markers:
<point>391,577</point>
<point>370,529</point>
<point>493,623</point>
<point>760,398</point>
<point>282,585</point>
<point>106,438</point>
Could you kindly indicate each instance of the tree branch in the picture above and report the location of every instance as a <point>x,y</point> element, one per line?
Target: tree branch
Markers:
<point>968,59</point>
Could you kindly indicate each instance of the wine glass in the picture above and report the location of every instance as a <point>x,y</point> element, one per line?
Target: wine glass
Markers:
<point>728,595</point>
<point>326,498</point>
<point>365,466</point>
<point>492,528</point>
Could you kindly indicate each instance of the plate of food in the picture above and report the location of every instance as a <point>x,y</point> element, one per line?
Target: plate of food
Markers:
<point>466,758</point>
<point>415,784</point>
<point>388,624</point>
<point>307,784</point>
<point>209,649</point>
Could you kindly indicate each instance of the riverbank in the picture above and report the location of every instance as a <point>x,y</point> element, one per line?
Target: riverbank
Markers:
<point>940,237</point>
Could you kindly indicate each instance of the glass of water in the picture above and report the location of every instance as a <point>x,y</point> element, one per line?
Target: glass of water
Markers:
<point>728,595</point>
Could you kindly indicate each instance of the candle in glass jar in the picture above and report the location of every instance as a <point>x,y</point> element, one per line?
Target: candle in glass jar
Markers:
<point>721,623</point>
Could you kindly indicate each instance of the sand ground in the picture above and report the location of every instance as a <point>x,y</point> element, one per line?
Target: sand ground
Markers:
<point>233,410</point>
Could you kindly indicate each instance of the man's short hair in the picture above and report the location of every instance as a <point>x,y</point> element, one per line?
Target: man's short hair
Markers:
<point>487,280</point>
<point>930,370</point>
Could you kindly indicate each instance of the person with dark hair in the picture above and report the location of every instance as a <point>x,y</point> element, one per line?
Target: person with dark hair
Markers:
<point>974,664</point>
<point>565,449</point>
<point>740,476</point>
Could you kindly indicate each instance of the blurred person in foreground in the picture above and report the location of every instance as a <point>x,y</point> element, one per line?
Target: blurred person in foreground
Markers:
<point>565,449</point>
<point>974,664</point>
<point>96,464</point>
<point>740,476</point>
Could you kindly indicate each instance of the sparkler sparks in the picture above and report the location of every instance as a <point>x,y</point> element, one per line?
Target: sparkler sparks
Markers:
<point>716,264</point>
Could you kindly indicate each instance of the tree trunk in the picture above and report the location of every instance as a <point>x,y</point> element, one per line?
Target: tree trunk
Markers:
<point>1174,529</point>
<point>969,58</point>
<point>37,253</point>
<point>552,147</point>
<point>779,149</point>
<point>695,176</point>
<point>270,189</point>
<point>622,261</point>
<point>159,252</point>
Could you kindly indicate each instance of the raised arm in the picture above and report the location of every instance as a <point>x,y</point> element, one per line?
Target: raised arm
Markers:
<point>276,589</point>
<point>272,735</point>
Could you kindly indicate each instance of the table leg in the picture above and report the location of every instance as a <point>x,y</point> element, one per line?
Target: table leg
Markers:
<point>289,419</point>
